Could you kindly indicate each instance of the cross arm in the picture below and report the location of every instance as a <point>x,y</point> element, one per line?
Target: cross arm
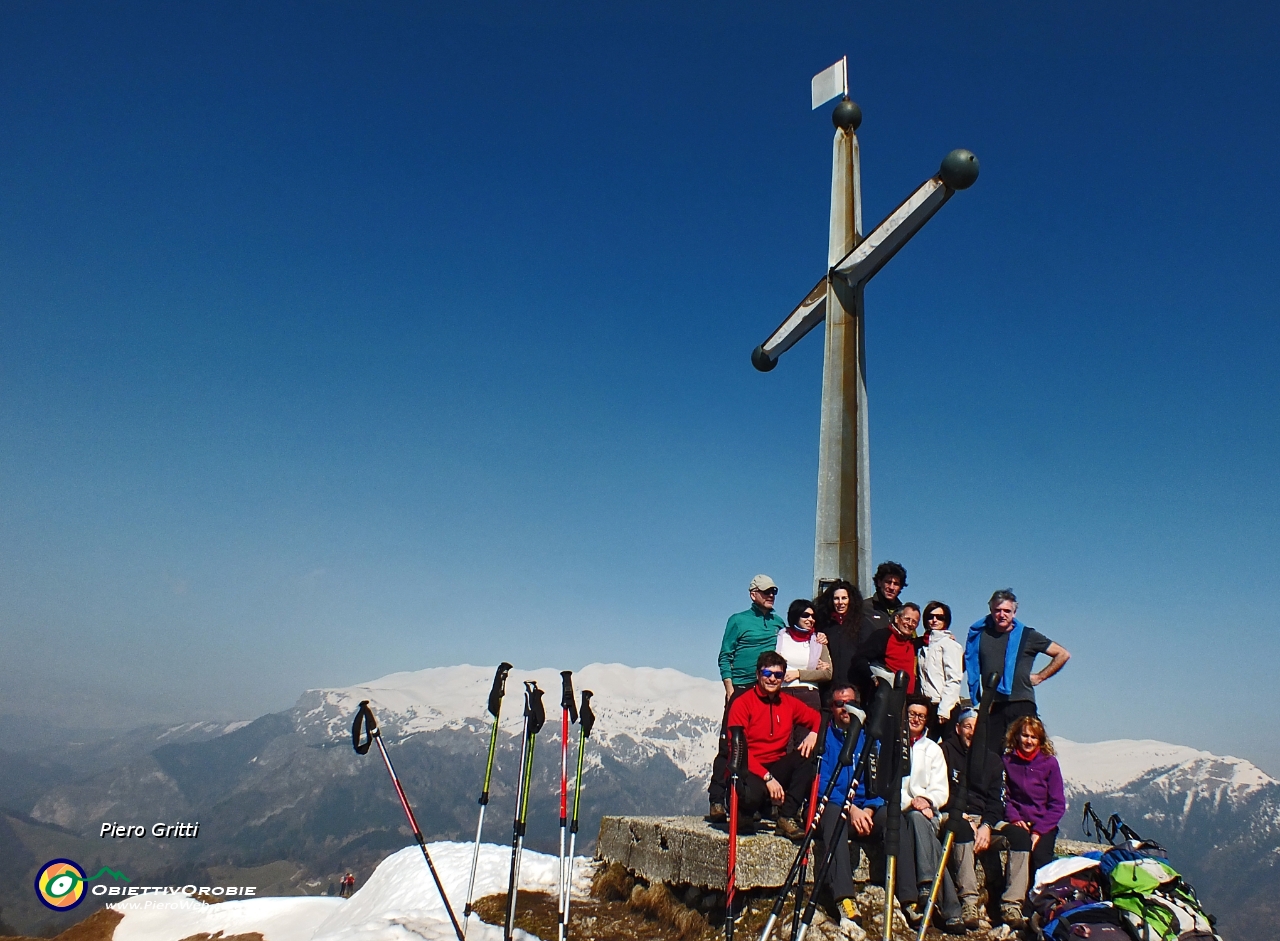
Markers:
<point>959,170</point>
<point>874,252</point>
<point>807,315</point>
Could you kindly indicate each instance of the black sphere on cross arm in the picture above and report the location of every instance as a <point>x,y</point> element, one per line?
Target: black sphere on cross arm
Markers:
<point>761,361</point>
<point>959,169</point>
<point>847,115</point>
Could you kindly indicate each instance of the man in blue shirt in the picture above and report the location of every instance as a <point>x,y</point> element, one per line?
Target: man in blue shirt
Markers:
<point>862,810</point>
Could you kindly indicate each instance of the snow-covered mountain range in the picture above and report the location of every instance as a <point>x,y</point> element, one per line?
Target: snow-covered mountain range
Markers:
<point>668,712</point>
<point>288,787</point>
<point>655,710</point>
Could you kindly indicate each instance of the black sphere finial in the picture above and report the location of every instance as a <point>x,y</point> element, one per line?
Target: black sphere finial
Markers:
<point>847,115</point>
<point>959,169</point>
<point>761,360</point>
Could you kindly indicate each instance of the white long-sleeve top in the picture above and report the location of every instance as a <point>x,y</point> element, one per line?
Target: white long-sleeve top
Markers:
<point>928,776</point>
<point>941,664</point>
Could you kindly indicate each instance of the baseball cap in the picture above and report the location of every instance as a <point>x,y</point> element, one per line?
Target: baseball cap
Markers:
<point>762,583</point>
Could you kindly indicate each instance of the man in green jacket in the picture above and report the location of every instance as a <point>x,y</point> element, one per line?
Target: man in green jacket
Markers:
<point>747,635</point>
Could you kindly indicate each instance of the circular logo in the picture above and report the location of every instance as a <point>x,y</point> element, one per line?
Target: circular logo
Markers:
<point>60,884</point>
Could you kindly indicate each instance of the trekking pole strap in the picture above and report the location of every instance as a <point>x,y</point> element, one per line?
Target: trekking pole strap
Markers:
<point>364,722</point>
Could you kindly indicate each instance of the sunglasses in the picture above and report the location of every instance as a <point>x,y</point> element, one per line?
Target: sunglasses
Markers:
<point>773,674</point>
<point>767,591</point>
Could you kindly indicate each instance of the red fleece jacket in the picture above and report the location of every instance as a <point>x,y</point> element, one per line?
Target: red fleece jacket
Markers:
<point>768,724</point>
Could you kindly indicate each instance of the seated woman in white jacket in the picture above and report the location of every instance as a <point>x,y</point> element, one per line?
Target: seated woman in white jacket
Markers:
<point>924,791</point>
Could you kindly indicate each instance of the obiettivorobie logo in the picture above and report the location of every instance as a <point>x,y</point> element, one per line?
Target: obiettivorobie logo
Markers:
<point>60,883</point>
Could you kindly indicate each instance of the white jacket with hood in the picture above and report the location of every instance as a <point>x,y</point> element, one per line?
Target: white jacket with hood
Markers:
<point>941,666</point>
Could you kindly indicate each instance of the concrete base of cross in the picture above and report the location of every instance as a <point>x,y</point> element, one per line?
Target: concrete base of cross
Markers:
<point>690,851</point>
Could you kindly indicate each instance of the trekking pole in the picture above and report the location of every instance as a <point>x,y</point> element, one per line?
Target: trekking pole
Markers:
<point>737,761</point>
<point>496,693</point>
<point>1100,829</point>
<point>568,716</point>
<point>960,801</point>
<point>364,715</point>
<point>816,754</point>
<point>978,748</point>
<point>797,865</point>
<point>586,721</point>
<point>534,716</point>
<point>901,755</point>
<point>937,883</point>
<point>835,845</point>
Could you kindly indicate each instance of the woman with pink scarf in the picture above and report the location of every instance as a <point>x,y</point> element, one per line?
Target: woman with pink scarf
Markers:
<point>808,662</point>
<point>1034,798</point>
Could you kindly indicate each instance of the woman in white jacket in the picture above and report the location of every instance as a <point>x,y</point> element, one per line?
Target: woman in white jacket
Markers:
<point>924,791</point>
<point>940,666</point>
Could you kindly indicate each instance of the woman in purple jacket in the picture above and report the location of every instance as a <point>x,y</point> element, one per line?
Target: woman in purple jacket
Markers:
<point>1034,798</point>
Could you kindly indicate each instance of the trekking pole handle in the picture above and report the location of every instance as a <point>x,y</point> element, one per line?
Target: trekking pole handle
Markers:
<point>737,749</point>
<point>586,716</point>
<point>820,746</point>
<point>858,717</point>
<point>534,709</point>
<point>364,717</point>
<point>566,695</point>
<point>499,688</point>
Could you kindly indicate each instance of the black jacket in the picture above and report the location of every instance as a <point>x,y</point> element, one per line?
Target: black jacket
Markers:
<point>842,644</point>
<point>871,650</point>
<point>876,613</point>
<point>991,812</point>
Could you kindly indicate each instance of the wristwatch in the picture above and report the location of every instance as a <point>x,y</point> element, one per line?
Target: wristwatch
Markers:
<point>767,777</point>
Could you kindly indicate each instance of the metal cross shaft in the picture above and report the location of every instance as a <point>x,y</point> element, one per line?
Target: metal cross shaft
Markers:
<point>842,543</point>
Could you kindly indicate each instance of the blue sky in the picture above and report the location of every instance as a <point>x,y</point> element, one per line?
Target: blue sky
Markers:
<point>342,339</point>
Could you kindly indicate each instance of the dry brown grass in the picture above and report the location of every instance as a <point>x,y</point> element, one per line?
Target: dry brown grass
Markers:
<point>658,904</point>
<point>100,926</point>
<point>613,884</point>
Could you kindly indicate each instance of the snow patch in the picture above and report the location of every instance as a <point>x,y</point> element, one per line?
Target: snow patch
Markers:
<point>398,903</point>
<point>168,918</point>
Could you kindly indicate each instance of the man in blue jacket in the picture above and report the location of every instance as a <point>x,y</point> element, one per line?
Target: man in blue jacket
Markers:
<point>862,810</point>
<point>1003,645</point>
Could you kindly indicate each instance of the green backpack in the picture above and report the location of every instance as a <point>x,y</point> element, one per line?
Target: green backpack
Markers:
<point>1156,904</point>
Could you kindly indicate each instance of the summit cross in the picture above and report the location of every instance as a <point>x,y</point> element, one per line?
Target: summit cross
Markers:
<point>842,540</point>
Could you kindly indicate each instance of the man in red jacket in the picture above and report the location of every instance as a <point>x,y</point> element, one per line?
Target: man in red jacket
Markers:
<point>768,719</point>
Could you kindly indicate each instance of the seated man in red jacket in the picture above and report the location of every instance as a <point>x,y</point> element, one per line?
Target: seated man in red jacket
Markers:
<point>772,774</point>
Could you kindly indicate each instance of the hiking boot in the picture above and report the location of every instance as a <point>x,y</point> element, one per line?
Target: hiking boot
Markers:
<point>912,913</point>
<point>718,814</point>
<point>970,914</point>
<point>1011,915</point>
<point>791,828</point>
<point>954,926</point>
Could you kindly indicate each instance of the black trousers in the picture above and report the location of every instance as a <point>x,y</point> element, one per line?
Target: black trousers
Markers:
<point>1042,855</point>
<point>718,789</point>
<point>793,771</point>
<point>989,780</point>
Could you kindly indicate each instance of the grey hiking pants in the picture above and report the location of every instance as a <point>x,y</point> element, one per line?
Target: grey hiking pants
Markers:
<point>1004,836</point>
<point>920,856</point>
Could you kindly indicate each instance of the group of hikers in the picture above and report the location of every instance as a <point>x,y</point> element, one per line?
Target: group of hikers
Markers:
<point>832,653</point>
